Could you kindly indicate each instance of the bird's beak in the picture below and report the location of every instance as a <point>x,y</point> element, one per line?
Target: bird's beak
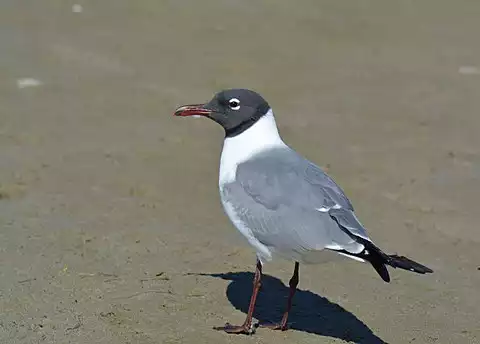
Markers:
<point>192,110</point>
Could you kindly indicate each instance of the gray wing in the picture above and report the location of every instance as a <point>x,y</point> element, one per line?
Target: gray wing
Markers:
<point>286,201</point>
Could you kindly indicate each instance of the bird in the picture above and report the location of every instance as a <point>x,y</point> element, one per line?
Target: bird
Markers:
<point>284,205</point>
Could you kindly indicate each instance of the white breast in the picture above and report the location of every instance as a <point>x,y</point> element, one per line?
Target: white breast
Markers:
<point>259,137</point>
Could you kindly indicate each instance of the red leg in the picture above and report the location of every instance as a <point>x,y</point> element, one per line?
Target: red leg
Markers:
<point>293,288</point>
<point>247,327</point>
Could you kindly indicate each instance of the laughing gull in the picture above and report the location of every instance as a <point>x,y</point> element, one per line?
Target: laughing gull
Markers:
<point>283,204</point>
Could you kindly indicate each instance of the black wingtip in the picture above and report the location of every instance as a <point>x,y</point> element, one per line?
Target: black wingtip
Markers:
<point>379,259</point>
<point>381,270</point>
<point>408,264</point>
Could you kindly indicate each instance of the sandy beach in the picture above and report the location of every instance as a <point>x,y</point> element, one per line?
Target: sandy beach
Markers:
<point>111,226</point>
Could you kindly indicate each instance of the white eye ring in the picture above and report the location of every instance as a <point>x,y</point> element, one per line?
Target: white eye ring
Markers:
<point>234,104</point>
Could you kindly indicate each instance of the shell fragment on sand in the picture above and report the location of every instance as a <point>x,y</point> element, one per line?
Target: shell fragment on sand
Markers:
<point>469,70</point>
<point>28,82</point>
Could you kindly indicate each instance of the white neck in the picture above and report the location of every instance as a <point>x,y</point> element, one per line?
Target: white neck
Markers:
<point>259,137</point>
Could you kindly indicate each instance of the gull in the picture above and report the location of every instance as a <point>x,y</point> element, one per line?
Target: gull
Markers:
<point>283,204</point>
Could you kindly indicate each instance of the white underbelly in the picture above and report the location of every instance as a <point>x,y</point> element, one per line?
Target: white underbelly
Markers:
<point>263,252</point>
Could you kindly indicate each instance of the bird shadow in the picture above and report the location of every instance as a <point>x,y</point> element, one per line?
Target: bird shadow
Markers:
<point>310,312</point>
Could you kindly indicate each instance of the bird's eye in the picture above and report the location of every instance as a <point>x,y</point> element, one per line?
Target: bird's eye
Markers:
<point>234,104</point>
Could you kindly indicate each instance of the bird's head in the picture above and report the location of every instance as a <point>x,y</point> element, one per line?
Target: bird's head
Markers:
<point>235,110</point>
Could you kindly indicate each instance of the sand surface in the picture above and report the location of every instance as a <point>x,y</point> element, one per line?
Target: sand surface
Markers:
<point>111,228</point>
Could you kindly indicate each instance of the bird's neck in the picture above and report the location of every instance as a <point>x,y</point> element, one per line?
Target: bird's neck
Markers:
<point>261,136</point>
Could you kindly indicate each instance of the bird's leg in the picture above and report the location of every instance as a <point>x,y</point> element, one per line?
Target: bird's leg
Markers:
<point>247,327</point>
<point>293,288</point>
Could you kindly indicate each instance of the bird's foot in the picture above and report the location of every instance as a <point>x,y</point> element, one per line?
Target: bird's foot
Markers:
<point>275,326</point>
<point>234,329</point>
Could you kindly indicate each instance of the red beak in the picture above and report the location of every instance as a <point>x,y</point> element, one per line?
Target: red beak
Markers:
<point>192,110</point>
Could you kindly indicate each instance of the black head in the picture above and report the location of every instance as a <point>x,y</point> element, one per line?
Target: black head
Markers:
<point>235,110</point>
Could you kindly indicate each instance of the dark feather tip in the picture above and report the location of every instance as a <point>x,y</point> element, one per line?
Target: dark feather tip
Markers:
<point>408,264</point>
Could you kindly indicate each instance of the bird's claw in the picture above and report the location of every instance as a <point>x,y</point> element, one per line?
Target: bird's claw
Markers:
<point>235,329</point>
<point>274,326</point>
